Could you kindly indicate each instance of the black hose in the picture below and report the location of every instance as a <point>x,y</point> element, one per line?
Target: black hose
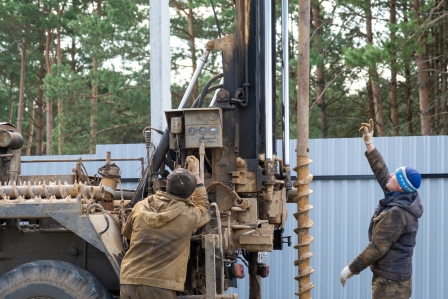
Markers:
<point>216,18</point>
<point>206,87</point>
<point>107,227</point>
<point>162,149</point>
<point>95,205</point>
<point>157,160</point>
<point>140,192</point>
<point>214,87</point>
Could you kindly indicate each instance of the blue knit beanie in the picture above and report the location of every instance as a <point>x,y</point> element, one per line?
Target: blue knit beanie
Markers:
<point>408,178</point>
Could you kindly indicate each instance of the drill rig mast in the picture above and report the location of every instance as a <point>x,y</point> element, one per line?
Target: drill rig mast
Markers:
<point>234,139</point>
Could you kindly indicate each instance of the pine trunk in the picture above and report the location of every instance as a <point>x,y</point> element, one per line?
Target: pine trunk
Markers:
<point>371,104</point>
<point>59,61</point>
<point>434,81</point>
<point>421,58</point>
<point>22,81</point>
<point>393,79</point>
<point>423,92</point>
<point>374,78</point>
<point>30,130</point>
<point>11,87</point>
<point>94,103</point>
<point>444,118</point>
<point>94,100</point>
<point>320,72</point>
<point>73,55</point>
<point>40,113</point>
<point>408,84</point>
<point>407,97</point>
<point>49,108</point>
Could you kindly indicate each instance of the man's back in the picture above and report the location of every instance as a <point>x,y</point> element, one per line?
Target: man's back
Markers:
<point>159,228</point>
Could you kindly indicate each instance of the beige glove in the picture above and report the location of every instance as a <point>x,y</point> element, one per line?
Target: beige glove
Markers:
<point>345,274</point>
<point>192,164</point>
<point>367,131</point>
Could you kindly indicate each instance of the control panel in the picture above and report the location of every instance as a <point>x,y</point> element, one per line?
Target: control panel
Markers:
<point>190,127</point>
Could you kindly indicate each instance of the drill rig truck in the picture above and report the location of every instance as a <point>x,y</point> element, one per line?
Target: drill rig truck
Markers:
<point>60,235</point>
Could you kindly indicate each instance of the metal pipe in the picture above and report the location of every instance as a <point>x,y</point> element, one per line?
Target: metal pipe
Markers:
<point>108,159</point>
<point>268,78</point>
<point>196,74</point>
<point>285,81</point>
<point>215,96</point>
<point>10,139</point>
<point>304,223</point>
<point>201,161</point>
<point>14,165</point>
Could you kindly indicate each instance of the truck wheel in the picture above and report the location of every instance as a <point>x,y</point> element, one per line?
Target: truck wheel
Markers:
<point>51,279</point>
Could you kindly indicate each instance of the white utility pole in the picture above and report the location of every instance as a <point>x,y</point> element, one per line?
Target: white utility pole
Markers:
<point>160,64</point>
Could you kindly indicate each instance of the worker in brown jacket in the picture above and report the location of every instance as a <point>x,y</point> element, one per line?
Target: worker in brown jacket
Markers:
<point>393,228</point>
<point>159,228</point>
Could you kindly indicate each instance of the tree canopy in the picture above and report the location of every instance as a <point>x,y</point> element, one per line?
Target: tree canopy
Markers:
<point>75,73</point>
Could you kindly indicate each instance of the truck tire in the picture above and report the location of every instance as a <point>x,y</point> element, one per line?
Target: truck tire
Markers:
<point>51,279</point>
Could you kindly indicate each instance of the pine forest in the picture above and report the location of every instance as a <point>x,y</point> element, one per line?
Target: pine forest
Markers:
<point>75,73</point>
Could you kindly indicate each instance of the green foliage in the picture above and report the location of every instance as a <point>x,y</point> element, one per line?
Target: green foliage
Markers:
<point>117,37</point>
<point>116,32</point>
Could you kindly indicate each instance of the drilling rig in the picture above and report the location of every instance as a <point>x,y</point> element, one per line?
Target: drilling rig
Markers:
<point>71,226</point>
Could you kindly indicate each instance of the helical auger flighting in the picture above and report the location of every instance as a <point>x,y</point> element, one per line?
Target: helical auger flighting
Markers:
<point>303,228</point>
<point>26,190</point>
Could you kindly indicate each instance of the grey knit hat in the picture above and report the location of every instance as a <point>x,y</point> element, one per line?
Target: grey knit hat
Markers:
<point>181,183</point>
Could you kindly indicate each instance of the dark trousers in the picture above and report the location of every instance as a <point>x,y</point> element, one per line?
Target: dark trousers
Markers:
<point>130,291</point>
<point>383,288</point>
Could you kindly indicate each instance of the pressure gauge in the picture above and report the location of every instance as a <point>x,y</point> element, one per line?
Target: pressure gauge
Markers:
<point>202,130</point>
<point>213,130</point>
<point>192,131</point>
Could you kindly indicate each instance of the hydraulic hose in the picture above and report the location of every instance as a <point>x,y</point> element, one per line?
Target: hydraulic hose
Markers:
<point>95,205</point>
<point>214,87</point>
<point>206,87</point>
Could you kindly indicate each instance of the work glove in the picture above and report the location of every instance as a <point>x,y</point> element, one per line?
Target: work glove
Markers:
<point>345,274</point>
<point>367,132</point>
<point>192,164</point>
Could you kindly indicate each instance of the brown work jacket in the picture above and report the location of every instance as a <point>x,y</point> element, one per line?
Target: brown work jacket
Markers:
<point>160,227</point>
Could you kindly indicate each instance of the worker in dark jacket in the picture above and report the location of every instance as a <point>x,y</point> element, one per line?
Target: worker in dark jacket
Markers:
<point>392,230</point>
